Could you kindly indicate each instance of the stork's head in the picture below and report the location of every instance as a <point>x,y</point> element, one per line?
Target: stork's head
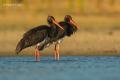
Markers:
<point>51,20</point>
<point>69,20</point>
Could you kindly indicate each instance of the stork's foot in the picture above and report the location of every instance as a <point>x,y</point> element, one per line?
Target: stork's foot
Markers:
<point>57,53</point>
<point>37,59</point>
<point>37,55</point>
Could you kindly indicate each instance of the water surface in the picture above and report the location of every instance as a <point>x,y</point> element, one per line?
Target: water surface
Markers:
<point>68,68</point>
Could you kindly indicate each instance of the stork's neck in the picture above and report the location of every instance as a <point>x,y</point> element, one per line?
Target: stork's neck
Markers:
<point>53,31</point>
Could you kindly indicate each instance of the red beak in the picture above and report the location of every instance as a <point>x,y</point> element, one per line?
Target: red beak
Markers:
<point>58,24</point>
<point>71,21</point>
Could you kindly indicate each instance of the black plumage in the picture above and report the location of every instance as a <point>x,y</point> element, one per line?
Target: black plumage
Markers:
<point>33,36</point>
<point>38,34</point>
<point>69,29</point>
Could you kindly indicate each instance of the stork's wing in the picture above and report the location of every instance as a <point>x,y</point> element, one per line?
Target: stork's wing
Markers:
<point>32,37</point>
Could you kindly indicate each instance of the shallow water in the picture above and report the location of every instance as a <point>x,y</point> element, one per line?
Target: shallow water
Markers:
<point>68,68</point>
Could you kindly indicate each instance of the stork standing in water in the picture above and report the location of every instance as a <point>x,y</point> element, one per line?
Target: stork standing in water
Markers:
<point>38,36</point>
<point>69,27</point>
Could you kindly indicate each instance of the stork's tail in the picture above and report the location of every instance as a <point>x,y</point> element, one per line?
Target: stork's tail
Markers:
<point>20,46</point>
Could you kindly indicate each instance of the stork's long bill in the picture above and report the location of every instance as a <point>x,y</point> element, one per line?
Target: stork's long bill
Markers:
<point>73,22</point>
<point>57,24</point>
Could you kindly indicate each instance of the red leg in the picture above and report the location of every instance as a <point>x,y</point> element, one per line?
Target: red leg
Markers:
<point>57,53</point>
<point>37,54</point>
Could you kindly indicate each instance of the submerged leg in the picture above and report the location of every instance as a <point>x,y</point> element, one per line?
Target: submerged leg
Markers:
<point>57,51</point>
<point>37,54</point>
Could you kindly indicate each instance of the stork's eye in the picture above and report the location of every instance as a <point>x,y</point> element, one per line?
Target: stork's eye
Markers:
<point>68,18</point>
<point>50,19</point>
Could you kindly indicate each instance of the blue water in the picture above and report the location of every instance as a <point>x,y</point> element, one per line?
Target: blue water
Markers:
<point>68,68</point>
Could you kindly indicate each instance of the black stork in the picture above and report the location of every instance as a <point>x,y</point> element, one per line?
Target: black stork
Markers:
<point>37,36</point>
<point>69,27</point>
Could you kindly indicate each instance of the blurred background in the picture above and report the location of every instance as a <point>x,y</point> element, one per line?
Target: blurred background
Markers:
<point>99,22</point>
